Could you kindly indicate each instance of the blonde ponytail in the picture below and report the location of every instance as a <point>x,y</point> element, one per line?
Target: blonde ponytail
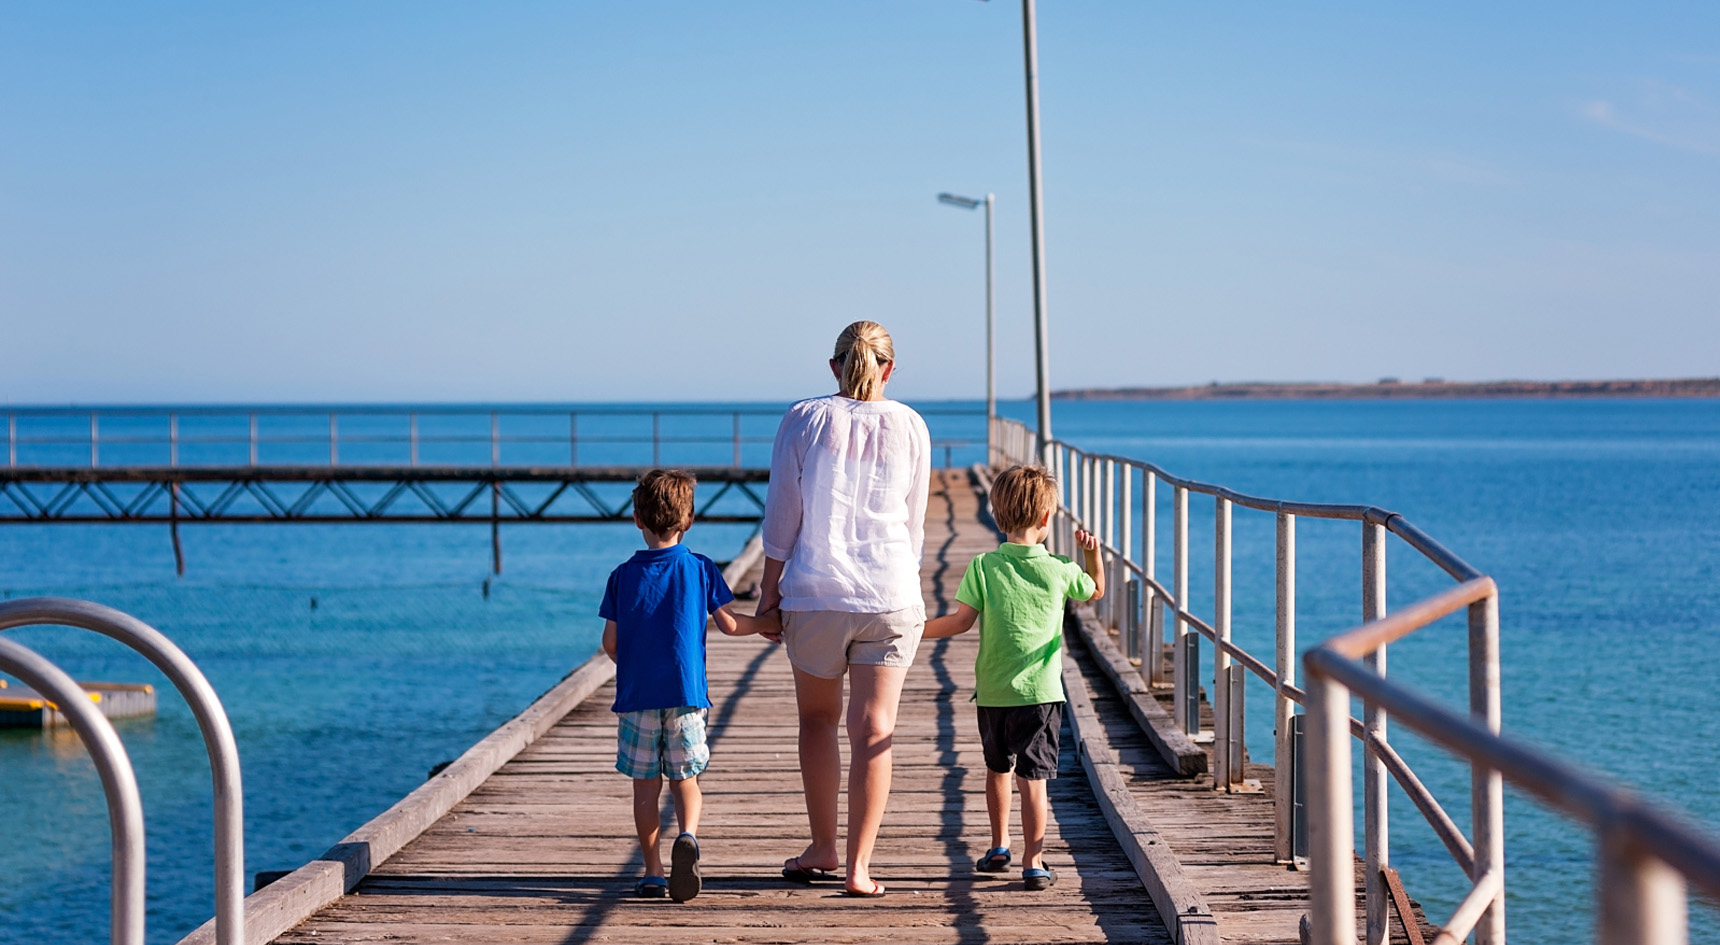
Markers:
<point>863,349</point>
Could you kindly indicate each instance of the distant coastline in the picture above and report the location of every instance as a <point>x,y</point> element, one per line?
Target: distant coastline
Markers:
<point>1393,389</point>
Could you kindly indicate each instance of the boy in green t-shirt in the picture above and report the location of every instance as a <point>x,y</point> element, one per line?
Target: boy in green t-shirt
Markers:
<point>1017,593</point>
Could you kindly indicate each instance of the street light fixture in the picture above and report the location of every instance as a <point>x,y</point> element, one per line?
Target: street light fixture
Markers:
<point>970,203</point>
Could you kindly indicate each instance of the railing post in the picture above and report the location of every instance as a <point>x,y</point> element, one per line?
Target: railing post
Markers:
<point>11,439</point>
<point>1487,787</point>
<point>1188,680</point>
<point>1376,841</point>
<point>656,438</point>
<point>333,439</point>
<point>737,439</point>
<point>253,439</point>
<point>1237,726</point>
<point>412,434</point>
<point>1642,900</point>
<point>1155,658</point>
<point>95,439</point>
<point>1130,606</point>
<point>1331,825</point>
<point>1065,494</point>
<point>573,438</point>
<point>495,439</point>
<point>119,783</point>
<point>1179,628</point>
<point>1086,493</point>
<point>1107,502</point>
<point>1224,778</point>
<point>1283,773</point>
<point>173,439</point>
<point>1132,623</point>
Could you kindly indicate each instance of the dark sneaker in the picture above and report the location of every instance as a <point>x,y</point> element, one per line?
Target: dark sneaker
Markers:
<point>684,881</point>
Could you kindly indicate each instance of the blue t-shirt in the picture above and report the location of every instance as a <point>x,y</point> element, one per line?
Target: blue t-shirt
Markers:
<point>659,599</point>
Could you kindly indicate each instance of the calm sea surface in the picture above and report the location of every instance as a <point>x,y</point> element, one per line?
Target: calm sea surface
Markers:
<point>352,659</point>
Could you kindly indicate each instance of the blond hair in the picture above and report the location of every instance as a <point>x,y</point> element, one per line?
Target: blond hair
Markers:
<point>663,501</point>
<point>863,349</point>
<point>1021,496</point>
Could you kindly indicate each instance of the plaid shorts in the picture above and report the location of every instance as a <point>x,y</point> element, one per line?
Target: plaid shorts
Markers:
<point>662,742</point>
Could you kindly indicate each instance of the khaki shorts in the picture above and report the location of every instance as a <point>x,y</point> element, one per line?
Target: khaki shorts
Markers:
<point>825,643</point>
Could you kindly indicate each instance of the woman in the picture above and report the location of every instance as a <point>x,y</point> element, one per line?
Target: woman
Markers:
<point>844,525</point>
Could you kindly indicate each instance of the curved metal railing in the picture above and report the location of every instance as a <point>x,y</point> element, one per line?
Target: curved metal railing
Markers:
<point>1645,855</point>
<point>119,783</point>
<point>153,645</point>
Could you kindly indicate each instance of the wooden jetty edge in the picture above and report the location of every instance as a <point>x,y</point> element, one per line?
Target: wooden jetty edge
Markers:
<point>527,837</point>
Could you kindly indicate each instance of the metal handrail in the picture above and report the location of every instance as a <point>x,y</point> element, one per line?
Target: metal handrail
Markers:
<point>255,439</point>
<point>211,721</point>
<point>1096,493</point>
<point>119,782</point>
<point>1646,855</point>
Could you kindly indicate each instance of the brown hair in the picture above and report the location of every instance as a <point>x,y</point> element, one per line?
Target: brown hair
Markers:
<point>663,501</point>
<point>1020,497</point>
<point>863,349</point>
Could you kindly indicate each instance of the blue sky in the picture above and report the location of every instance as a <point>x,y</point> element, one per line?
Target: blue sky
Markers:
<point>677,200</point>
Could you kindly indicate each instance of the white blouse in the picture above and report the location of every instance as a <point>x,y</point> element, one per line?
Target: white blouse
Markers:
<point>847,504</point>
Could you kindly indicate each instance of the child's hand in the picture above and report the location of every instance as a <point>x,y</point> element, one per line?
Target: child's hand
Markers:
<point>769,624</point>
<point>1088,541</point>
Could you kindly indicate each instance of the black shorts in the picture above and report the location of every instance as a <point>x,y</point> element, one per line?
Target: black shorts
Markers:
<point>1022,738</point>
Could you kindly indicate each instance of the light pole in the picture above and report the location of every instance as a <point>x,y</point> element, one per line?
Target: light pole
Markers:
<point>1041,336</point>
<point>969,203</point>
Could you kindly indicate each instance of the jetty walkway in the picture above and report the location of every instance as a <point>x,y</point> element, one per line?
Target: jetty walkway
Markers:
<point>542,849</point>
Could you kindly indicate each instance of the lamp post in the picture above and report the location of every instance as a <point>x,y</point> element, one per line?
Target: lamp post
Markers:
<point>970,203</point>
<point>1041,336</point>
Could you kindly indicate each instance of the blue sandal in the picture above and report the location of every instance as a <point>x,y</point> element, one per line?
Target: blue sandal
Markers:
<point>651,887</point>
<point>995,860</point>
<point>1038,879</point>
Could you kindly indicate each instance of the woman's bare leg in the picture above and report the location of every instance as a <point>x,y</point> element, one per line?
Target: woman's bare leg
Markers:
<point>820,704</point>
<point>876,691</point>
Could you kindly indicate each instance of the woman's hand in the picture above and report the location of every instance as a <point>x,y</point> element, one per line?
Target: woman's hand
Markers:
<point>770,600</point>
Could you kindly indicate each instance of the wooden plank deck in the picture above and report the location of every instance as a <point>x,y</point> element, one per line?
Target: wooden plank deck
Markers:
<point>543,851</point>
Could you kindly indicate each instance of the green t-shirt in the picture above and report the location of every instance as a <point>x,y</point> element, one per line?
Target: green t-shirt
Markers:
<point>1019,592</point>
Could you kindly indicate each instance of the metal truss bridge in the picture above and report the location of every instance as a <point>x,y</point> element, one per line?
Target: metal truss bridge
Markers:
<point>514,465</point>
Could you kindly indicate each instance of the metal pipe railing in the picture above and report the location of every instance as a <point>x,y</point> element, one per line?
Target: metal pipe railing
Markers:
<point>300,438</point>
<point>119,783</point>
<point>1646,857</point>
<point>211,721</point>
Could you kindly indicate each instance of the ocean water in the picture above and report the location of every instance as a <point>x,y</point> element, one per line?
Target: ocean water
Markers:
<point>352,659</point>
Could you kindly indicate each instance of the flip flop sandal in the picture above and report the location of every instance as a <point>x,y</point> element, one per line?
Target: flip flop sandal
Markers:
<point>1037,879</point>
<point>651,887</point>
<point>801,874</point>
<point>996,860</point>
<point>684,880</point>
<point>876,893</point>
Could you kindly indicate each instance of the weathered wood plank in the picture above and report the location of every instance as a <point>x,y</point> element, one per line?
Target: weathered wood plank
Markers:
<point>543,850</point>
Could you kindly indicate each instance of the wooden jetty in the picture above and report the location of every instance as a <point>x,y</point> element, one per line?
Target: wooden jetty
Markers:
<point>528,839</point>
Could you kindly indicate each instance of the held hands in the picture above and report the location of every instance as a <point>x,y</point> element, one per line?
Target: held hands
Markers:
<point>768,623</point>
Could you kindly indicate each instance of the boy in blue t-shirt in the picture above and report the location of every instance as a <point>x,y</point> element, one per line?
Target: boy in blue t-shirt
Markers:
<point>654,613</point>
